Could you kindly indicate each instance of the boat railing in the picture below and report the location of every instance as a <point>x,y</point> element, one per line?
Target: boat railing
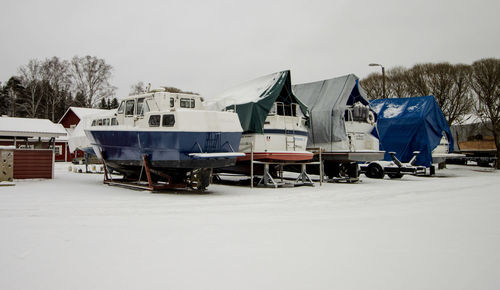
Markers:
<point>282,109</point>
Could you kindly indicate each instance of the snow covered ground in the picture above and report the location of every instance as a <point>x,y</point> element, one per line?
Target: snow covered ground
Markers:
<point>73,232</point>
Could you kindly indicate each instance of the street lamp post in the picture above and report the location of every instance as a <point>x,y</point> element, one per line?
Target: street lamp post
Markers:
<point>383,77</point>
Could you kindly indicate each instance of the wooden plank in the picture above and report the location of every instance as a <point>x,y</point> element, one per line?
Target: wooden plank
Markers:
<point>33,164</point>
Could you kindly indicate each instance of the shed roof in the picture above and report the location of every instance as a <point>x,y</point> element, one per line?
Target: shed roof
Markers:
<point>82,112</point>
<point>28,127</point>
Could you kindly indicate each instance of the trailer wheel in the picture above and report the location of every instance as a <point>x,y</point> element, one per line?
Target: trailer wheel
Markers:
<point>395,175</point>
<point>200,178</point>
<point>375,170</point>
<point>352,170</point>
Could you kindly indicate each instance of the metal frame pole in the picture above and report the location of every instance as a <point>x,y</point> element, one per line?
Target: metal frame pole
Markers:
<point>251,165</point>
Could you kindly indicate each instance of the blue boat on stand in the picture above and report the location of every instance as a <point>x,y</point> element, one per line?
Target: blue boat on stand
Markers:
<point>166,139</point>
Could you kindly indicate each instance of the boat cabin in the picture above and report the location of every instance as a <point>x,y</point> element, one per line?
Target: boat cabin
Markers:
<point>133,109</point>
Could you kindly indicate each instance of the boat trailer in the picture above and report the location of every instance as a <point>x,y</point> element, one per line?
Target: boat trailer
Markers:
<point>393,169</point>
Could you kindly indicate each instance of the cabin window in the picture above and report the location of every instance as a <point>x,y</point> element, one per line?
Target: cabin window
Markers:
<point>105,122</point>
<point>129,108</point>
<point>145,108</point>
<point>140,106</point>
<point>154,121</point>
<point>99,122</point>
<point>283,109</point>
<point>172,102</point>
<point>187,103</point>
<point>168,120</point>
<point>93,123</point>
<point>121,107</point>
<point>114,122</point>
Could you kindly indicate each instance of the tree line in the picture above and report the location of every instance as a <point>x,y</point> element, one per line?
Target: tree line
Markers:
<point>459,89</point>
<point>47,88</point>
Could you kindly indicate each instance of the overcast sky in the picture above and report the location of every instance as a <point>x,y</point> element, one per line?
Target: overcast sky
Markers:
<point>209,46</point>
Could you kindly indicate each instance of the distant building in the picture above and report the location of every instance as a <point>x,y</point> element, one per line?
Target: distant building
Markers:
<point>69,120</point>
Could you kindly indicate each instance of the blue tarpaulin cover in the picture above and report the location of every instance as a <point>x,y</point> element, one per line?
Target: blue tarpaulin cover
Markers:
<point>413,124</point>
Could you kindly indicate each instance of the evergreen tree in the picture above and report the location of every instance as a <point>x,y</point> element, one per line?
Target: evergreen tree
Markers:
<point>80,100</point>
<point>14,93</point>
<point>102,104</point>
<point>114,104</point>
<point>4,101</point>
<point>63,105</point>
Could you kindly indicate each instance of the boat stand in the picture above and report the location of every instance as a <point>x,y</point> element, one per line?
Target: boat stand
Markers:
<point>303,177</point>
<point>139,184</point>
<point>267,179</point>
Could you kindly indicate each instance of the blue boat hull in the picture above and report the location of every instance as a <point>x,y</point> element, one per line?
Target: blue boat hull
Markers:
<point>165,151</point>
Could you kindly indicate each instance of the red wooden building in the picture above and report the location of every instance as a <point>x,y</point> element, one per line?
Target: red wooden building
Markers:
<point>69,121</point>
<point>34,143</point>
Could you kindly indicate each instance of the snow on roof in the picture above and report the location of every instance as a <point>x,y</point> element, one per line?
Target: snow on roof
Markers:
<point>247,92</point>
<point>82,112</point>
<point>468,119</point>
<point>28,127</point>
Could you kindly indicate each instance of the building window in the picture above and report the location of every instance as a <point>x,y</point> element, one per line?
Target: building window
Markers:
<point>154,121</point>
<point>129,108</point>
<point>168,121</point>
<point>58,149</point>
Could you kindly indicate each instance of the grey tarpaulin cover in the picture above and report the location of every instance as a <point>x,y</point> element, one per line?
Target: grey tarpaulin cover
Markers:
<point>327,101</point>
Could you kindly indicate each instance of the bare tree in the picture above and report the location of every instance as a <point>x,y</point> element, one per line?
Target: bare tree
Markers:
<point>485,82</point>
<point>91,77</point>
<point>57,73</point>
<point>417,81</point>
<point>31,79</point>
<point>446,82</point>
<point>397,85</point>
<point>373,85</point>
<point>461,100</point>
<point>137,88</point>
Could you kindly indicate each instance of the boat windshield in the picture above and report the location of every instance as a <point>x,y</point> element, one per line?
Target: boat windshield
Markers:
<point>121,107</point>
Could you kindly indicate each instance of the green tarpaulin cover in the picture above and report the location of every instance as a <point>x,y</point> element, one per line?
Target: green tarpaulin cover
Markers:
<point>254,99</point>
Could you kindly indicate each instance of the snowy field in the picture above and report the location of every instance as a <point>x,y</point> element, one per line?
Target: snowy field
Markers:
<point>73,232</point>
